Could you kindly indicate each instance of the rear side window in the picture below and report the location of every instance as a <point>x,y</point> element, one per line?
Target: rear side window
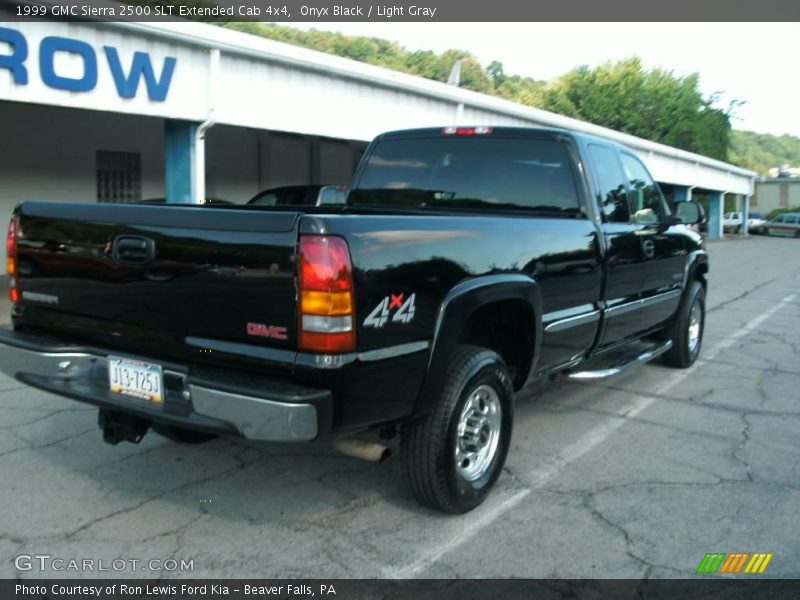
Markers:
<point>611,179</point>
<point>646,199</point>
<point>470,172</point>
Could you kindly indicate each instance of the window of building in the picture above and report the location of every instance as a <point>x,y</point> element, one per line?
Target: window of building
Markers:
<point>119,176</point>
<point>611,180</point>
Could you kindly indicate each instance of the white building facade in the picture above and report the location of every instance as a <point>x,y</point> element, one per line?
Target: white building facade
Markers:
<point>131,111</point>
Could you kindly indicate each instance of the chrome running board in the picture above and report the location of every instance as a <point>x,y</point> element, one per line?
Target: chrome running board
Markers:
<point>644,357</point>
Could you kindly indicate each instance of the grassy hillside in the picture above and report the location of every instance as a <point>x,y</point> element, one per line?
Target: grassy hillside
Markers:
<point>388,54</point>
<point>761,151</point>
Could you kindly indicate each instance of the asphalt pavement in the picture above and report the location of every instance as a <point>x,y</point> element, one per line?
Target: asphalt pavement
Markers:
<point>637,476</point>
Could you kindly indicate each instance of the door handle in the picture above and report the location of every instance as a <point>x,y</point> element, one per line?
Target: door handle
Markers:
<point>133,250</point>
<point>649,248</point>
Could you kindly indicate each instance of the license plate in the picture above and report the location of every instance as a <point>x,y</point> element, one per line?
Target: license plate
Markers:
<point>136,378</point>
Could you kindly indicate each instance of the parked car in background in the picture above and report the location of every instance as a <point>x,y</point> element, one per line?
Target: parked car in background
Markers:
<point>731,222</point>
<point>756,223</point>
<point>787,224</point>
<point>300,195</point>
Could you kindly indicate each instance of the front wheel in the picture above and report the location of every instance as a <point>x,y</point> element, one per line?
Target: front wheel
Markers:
<point>453,455</point>
<point>686,333</point>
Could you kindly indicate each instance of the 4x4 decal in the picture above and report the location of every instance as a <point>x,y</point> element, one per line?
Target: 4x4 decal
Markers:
<point>380,314</point>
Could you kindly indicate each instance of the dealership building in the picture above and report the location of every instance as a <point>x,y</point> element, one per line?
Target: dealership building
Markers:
<point>119,112</point>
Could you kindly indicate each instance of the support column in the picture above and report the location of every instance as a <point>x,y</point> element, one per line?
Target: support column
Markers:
<point>682,193</point>
<point>180,162</point>
<point>745,213</point>
<point>715,205</point>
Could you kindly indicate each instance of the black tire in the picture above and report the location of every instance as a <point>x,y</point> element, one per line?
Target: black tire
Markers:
<point>429,444</point>
<point>684,352</point>
<point>181,435</point>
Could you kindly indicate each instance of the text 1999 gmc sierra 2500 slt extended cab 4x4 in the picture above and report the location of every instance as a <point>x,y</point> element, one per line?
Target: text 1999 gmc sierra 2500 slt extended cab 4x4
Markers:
<point>464,263</point>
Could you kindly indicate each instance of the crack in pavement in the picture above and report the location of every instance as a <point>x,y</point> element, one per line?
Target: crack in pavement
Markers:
<point>704,434</point>
<point>40,419</point>
<point>658,483</point>
<point>711,405</point>
<point>591,505</point>
<point>28,446</point>
<point>737,451</point>
<point>183,487</point>
<point>742,295</point>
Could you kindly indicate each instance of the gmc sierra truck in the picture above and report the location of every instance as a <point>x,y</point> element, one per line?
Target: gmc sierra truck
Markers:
<point>465,263</point>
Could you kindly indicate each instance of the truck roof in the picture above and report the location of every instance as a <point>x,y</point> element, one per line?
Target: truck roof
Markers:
<point>501,130</point>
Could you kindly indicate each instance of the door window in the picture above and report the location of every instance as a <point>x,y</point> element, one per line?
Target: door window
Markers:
<point>611,181</point>
<point>647,202</point>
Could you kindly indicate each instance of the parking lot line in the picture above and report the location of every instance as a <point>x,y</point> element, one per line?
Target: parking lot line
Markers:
<point>592,438</point>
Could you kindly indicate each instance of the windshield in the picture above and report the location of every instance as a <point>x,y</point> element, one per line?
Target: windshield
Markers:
<point>469,172</point>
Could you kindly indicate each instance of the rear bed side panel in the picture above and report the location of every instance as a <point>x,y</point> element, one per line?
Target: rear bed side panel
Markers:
<point>426,256</point>
<point>399,257</point>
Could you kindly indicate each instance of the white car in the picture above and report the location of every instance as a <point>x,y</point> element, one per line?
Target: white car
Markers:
<point>756,223</point>
<point>732,222</point>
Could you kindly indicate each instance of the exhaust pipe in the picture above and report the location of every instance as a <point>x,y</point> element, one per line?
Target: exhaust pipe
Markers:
<point>370,451</point>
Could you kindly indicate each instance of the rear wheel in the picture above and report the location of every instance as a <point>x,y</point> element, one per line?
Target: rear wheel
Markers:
<point>686,333</point>
<point>453,455</point>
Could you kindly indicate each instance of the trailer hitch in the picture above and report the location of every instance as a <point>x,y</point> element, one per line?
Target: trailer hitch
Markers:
<point>120,427</point>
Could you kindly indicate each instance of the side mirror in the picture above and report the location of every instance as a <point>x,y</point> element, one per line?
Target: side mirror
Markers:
<point>689,213</point>
<point>332,195</point>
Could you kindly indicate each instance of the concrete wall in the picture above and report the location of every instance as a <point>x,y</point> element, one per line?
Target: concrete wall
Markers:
<point>770,195</point>
<point>48,153</point>
<point>241,162</point>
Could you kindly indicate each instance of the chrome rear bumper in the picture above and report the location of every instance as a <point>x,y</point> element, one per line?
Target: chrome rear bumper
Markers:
<point>283,412</point>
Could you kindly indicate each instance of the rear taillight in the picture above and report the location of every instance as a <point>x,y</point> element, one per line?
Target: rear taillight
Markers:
<point>326,308</point>
<point>11,258</point>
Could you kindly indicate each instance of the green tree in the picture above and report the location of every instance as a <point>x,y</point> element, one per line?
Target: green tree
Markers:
<point>496,72</point>
<point>656,105</point>
<point>762,151</point>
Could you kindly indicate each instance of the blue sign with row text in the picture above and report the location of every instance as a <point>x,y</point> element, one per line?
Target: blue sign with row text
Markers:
<point>126,77</point>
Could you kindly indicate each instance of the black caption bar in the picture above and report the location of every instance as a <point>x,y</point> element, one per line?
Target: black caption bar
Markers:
<point>404,10</point>
<point>351,589</point>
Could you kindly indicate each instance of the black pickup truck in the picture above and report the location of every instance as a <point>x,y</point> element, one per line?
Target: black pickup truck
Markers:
<point>465,263</point>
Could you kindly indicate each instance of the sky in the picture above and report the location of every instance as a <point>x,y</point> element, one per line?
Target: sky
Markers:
<point>754,62</point>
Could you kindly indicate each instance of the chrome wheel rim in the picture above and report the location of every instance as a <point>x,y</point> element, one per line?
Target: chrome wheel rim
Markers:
<point>478,433</point>
<point>695,322</point>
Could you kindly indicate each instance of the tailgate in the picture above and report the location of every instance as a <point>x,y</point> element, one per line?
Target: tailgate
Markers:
<point>163,272</point>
